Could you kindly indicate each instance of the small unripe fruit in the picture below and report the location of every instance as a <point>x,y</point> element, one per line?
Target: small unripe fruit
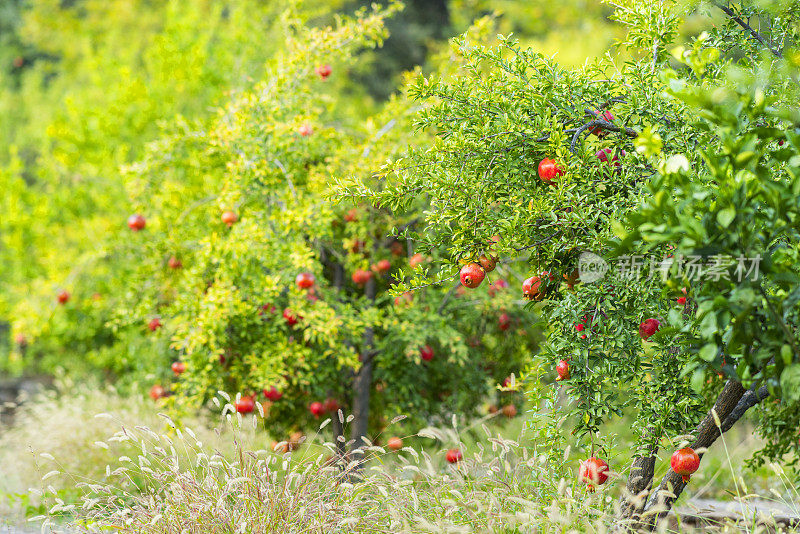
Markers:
<point>426,353</point>
<point>323,71</point>
<point>685,462</point>
<point>404,299</point>
<point>330,405</point>
<point>358,246</point>
<point>472,275</point>
<point>593,472</point>
<point>178,368</point>
<point>606,116</point>
<point>416,259</point>
<point>273,394</point>
<point>305,130</point>
<point>174,263</point>
<point>304,280</point>
<point>229,217</point>
<point>154,324</point>
<point>394,444</point>
<point>454,456</point>
<point>316,408</point>
<point>648,328</point>
<point>290,318</point>
<point>361,277</point>
<point>351,215</point>
<point>606,155</point>
<point>156,392</point>
<point>382,266</point>
<point>488,262</point>
<point>562,368</point>
<point>572,279</point>
<point>136,222</point>
<point>509,410</point>
<point>245,405</point>
<point>549,170</point>
<point>63,297</point>
<point>503,322</point>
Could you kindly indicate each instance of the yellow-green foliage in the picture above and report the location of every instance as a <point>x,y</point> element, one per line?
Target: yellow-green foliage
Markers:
<point>109,73</point>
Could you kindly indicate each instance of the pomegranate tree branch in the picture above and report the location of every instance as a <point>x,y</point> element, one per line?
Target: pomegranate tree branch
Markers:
<point>750,399</point>
<point>741,22</point>
<point>706,433</point>
<point>447,296</point>
<point>600,123</point>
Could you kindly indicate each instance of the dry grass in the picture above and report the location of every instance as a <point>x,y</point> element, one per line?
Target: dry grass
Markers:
<point>139,471</point>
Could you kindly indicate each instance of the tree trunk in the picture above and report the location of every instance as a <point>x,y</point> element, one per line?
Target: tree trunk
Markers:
<point>363,381</point>
<point>705,434</point>
<point>638,487</point>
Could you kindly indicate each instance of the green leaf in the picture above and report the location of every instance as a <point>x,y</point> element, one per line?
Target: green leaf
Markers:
<point>726,216</point>
<point>708,352</point>
<point>698,380</point>
<point>708,327</point>
<point>786,354</point>
<point>790,382</point>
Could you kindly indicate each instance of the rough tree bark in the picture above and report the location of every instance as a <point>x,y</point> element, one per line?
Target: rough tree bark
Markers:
<point>637,488</point>
<point>706,433</point>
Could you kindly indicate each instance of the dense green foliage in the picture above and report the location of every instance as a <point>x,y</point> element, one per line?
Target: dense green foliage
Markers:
<point>687,165</point>
<point>103,77</point>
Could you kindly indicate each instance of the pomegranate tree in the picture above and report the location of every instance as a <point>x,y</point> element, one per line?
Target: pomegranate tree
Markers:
<point>289,300</point>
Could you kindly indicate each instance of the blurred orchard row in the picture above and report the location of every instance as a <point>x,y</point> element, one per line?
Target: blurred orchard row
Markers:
<point>166,174</point>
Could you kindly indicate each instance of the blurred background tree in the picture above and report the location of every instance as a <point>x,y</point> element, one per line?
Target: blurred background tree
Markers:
<point>97,81</point>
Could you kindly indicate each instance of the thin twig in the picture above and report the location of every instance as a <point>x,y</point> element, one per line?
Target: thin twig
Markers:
<point>741,22</point>
<point>447,297</point>
<point>604,124</point>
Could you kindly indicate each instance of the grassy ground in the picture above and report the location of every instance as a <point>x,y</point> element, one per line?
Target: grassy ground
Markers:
<point>134,469</point>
